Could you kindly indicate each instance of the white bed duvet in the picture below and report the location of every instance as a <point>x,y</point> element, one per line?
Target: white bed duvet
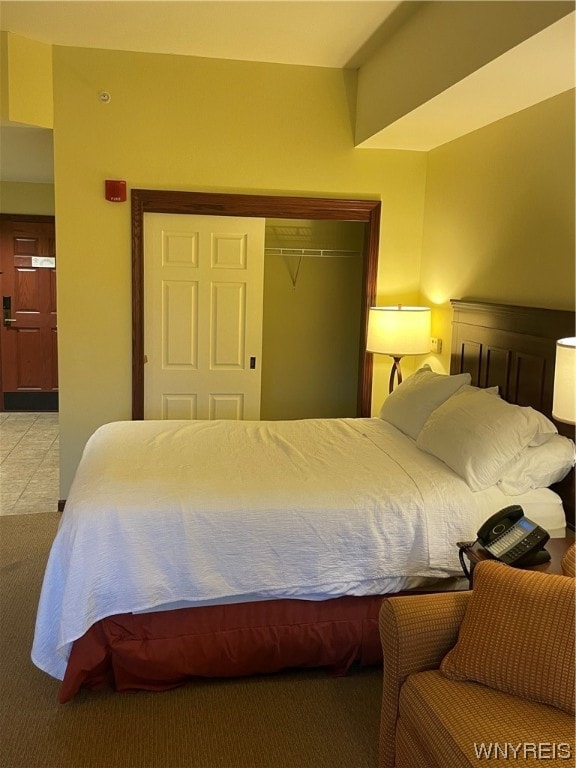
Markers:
<point>166,513</point>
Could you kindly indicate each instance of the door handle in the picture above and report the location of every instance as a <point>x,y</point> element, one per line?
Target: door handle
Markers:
<point>7,311</point>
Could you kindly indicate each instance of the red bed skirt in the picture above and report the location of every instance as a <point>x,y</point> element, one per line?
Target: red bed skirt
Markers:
<point>158,651</point>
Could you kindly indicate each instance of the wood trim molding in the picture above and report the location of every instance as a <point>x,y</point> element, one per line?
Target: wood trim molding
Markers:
<point>36,217</point>
<point>540,322</point>
<point>262,206</point>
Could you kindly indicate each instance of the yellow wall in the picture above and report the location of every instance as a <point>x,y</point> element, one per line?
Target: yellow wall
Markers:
<point>497,222</point>
<point>3,77</point>
<point>29,73</point>
<point>499,215</point>
<point>23,197</point>
<point>195,124</point>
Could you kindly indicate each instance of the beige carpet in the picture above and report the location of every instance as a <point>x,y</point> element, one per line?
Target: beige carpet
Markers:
<point>300,719</point>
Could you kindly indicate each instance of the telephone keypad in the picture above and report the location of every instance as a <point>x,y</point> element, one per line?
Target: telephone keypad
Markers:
<point>514,543</point>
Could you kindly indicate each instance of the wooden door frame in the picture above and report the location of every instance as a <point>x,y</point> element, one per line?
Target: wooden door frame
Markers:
<point>258,206</point>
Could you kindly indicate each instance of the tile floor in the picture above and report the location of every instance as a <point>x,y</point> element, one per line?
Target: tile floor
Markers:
<point>29,471</point>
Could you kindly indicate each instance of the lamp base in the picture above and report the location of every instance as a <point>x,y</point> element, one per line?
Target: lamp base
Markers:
<point>395,373</point>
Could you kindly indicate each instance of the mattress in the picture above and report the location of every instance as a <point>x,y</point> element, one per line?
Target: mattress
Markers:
<point>166,513</point>
<point>541,505</point>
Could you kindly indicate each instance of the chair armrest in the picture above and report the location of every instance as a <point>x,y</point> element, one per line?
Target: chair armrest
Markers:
<point>569,561</point>
<point>416,631</point>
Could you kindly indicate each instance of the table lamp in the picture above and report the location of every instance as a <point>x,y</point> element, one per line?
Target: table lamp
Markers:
<point>564,403</point>
<point>398,331</point>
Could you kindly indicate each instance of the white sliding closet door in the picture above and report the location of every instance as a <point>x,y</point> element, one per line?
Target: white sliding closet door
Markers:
<point>203,293</point>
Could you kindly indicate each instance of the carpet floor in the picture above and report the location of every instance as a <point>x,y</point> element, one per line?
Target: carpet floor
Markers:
<point>295,719</point>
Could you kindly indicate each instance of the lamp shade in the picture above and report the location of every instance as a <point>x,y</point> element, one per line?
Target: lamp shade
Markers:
<point>564,406</point>
<point>399,330</point>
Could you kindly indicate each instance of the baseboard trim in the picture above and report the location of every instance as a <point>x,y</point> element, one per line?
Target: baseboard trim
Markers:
<point>31,401</point>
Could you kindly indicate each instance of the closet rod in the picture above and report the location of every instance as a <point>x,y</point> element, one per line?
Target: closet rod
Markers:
<point>314,252</point>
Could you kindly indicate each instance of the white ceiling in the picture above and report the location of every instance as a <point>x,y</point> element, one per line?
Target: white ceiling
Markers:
<point>322,33</point>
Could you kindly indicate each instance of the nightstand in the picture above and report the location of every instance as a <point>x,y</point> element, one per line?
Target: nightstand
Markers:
<point>556,547</point>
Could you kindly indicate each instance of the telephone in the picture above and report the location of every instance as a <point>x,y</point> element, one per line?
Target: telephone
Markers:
<point>514,539</point>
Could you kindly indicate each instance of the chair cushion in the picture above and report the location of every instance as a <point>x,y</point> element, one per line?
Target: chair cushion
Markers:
<point>458,724</point>
<point>517,635</point>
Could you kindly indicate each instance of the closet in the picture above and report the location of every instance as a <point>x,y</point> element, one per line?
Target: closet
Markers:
<point>313,285</point>
<point>314,363</point>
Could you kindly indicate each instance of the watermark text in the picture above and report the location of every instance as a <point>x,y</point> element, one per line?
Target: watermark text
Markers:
<point>541,750</point>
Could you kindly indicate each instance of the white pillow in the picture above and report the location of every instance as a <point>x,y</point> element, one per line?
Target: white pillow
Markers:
<point>410,404</point>
<point>480,436</point>
<point>472,388</point>
<point>539,467</point>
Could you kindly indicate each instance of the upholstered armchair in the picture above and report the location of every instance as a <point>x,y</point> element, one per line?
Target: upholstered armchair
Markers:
<point>480,675</point>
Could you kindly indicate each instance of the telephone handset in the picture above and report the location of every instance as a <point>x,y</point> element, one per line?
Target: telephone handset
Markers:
<point>514,539</point>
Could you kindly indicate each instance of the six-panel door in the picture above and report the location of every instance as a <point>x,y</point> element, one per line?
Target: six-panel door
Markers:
<point>204,282</point>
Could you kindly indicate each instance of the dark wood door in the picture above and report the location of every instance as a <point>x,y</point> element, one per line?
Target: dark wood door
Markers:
<point>28,334</point>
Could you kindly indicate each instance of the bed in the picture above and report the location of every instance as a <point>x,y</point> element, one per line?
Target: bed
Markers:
<point>203,549</point>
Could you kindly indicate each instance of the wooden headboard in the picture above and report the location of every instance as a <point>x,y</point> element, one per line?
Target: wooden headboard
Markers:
<point>515,348</point>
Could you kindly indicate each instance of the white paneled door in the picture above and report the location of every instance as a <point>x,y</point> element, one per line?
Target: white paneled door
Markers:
<point>203,291</point>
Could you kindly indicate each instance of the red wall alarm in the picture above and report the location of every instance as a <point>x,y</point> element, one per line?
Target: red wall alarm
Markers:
<point>115,190</point>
